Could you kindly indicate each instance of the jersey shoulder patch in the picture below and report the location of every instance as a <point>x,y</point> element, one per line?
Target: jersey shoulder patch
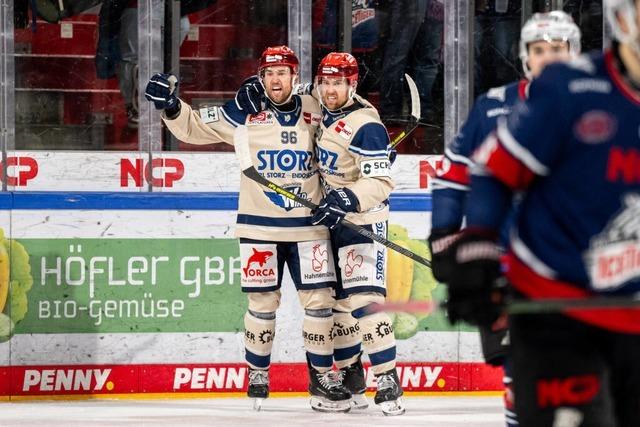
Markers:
<point>209,114</point>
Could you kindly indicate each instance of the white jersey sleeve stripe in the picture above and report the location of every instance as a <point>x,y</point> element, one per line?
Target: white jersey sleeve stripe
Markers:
<point>438,184</point>
<point>368,153</point>
<point>229,119</point>
<point>529,258</point>
<point>517,150</point>
<point>457,157</point>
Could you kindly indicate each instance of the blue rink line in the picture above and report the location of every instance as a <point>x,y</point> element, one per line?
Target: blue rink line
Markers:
<point>221,201</point>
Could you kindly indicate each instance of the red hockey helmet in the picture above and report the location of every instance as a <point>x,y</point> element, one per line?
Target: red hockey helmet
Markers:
<point>279,55</point>
<point>339,64</point>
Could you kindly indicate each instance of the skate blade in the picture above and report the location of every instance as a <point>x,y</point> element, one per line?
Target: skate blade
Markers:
<point>324,405</point>
<point>359,401</point>
<point>392,407</point>
<point>257,403</point>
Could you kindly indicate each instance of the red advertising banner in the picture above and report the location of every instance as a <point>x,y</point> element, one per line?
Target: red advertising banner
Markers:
<point>196,378</point>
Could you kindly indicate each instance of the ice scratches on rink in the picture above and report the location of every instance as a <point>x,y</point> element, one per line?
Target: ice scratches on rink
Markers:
<point>433,411</point>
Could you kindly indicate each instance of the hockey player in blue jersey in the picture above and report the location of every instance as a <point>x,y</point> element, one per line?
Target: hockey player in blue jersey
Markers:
<point>573,151</point>
<point>545,38</point>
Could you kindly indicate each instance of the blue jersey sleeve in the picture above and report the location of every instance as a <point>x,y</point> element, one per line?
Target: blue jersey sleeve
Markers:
<point>233,114</point>
<point>371,140</point>
<point>536,130</point>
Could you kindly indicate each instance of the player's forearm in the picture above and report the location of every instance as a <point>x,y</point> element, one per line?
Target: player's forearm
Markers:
<point>488,203</point>
<point>371,192</point>
<point>188,127</point>
<point>447,208</point>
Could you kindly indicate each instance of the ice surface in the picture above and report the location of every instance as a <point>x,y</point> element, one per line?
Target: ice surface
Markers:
<point>431,411</point>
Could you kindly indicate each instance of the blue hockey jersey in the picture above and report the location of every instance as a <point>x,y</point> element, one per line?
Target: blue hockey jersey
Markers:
<point>574,148</point>
<point>451,184</point>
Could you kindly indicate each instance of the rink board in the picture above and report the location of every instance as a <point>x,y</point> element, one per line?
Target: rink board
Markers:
<point>206,378</point>
<point>94,256</point>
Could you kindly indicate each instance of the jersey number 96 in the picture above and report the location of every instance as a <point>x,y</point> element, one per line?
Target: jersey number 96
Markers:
<point>288,137</point>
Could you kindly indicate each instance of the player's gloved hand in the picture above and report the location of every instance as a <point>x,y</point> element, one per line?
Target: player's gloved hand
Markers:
<point>250,96</point>
<point>334,207</point>
<point>392,156</point>
<point>161,90</point>
<point>303,89</point>
<point>443,261</point>
<point>473,293</point>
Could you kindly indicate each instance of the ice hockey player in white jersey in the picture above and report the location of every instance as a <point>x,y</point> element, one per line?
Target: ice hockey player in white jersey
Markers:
<point>273,231</point>
<point>352,147</point>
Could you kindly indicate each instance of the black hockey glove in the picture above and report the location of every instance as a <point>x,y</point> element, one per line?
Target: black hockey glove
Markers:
<point>334,207</point>
<point>250,96</point>
<point>161,90</point>
<point>441,242</point>
<point>473,293</point>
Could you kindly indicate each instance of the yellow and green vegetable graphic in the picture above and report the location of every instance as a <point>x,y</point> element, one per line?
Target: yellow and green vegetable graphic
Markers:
<point>15,282</point>
<point>408,281</point>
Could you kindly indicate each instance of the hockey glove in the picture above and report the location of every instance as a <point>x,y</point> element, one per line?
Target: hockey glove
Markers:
<point>303,89</point>
<point>473,295</point>
<point>161,90</point>
<point>334,207</point>
<point>250,96</point>
<point>441,242</point>
<point>393,154</point>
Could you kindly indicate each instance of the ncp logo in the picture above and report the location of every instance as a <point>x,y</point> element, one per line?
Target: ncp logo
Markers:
<point>19,171</point>
<point>157,172</point>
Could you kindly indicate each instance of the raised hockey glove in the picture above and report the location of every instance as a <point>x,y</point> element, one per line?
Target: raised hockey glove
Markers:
<point>250,96</point>
<point>161,90</point>
<point>473,293</point>
<point>303,89</point>
<point>334,207</point>
<point>443,261</point>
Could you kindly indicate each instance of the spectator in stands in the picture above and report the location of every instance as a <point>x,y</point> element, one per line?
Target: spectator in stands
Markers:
<point>117,51</point>
<point>368,20</point>
<point>497,27</point>
<point>414,47</point>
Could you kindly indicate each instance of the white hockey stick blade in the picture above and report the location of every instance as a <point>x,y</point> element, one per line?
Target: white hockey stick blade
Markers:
<point>415,98</point>
<point>241,145</point>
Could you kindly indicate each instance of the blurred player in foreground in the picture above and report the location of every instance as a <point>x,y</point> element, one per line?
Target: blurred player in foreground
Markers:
<point>545,38</point>
<point>573,149</point>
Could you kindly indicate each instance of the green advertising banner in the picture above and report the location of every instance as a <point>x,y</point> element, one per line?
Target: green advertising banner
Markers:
<point>115,285</point>
<point>133,285</point>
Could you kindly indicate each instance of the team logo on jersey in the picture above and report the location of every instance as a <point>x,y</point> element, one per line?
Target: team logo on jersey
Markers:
<point>319,258</point>
<point>613,257</point>
<point>260,258</point>
<point>375,168</point>
<point>353,262</point>
<point>595,127</point>
<point>344,130</point>
<point>262,118</point>
<point>311,118</point>
<point>284,202</point>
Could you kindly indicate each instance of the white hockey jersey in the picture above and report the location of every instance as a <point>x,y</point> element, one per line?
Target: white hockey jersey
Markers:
<point>352,148</point>
<point>281,144</point>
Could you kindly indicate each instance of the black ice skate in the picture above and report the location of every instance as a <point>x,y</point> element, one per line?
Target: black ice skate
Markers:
<point>354,380</point>
<point>327,392</point>
<point>389,392</point>
<point>258,388</point>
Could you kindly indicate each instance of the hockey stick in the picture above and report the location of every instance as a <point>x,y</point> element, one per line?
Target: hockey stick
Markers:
<point>415,112</point>
<point>241,143</point>
<point>542,306</point>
